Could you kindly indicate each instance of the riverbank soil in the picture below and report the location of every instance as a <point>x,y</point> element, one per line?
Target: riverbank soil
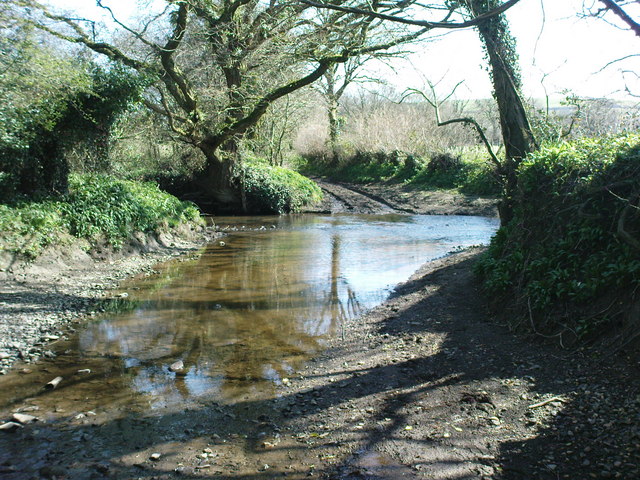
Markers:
<point>424,386</point>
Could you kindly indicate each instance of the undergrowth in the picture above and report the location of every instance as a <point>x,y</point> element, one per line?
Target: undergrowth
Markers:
<point>96,208</point>
<point>271,189</point>
<point>568,265</point>
<point>469,173</point>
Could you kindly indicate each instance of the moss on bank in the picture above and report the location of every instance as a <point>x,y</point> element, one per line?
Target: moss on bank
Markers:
<point>277,190</point>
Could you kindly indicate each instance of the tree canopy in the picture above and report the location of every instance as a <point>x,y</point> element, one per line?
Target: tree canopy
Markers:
<point>215,67</point>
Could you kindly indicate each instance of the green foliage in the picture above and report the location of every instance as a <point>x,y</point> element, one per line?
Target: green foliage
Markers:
<point>470,174</point>
<point>27,228</point>
<point>35,80</point>
<point>49,104</point>
<point>277,190</point>
<point>101,206</point>
<point>93,115</point>
<point>97,207</point>
<point>36,83</point>
<point>563,254</point>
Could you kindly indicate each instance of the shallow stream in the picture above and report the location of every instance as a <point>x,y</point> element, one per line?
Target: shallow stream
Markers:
<point>243,316</point>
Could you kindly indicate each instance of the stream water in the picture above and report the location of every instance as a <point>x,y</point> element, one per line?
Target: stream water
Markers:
<point>245,315</point>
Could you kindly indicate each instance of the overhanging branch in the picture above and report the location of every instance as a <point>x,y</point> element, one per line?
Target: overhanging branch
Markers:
<point>420,23</point>
<point>623,15</point>
<point>464,120</point>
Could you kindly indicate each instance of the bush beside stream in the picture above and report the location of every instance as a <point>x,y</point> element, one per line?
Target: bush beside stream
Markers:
<point>568,265</point>
<point>96,208</point>
<point>277,190</point>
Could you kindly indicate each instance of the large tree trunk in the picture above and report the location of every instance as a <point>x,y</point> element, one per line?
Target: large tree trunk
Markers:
<point>516,132</point>
<point>220,183</point>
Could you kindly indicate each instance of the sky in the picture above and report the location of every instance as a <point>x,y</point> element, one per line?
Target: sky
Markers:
<point>558,50</point>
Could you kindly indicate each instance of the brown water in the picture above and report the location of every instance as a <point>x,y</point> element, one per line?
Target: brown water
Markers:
<point>244,316</point>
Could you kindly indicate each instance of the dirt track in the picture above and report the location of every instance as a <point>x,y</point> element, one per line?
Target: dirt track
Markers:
<point>376,198</point>
<point>424,386</point>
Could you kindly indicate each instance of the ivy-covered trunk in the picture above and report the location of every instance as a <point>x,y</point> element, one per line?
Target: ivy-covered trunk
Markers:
<point>44,170</point>
<point>516,132</point>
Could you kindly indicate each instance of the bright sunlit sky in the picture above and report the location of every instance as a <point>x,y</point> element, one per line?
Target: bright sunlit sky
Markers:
<point>553,42</point>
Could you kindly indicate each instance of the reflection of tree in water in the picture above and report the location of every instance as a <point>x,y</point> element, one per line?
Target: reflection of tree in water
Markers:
<point>334,306</point>
<point>241,318</point>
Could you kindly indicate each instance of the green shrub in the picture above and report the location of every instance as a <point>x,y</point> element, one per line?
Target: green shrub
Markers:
<point>277,190</point>
<point>28,227</point>
<point>96,207</point>
<point>563,255</point>
<point>469,173</point>
<point>100,205</point>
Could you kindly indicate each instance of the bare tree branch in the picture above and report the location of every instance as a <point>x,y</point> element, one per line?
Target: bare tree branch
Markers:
<point>420,23</point>
<point>435,103</point>
<point>621,59</point>
<point>623,15</point>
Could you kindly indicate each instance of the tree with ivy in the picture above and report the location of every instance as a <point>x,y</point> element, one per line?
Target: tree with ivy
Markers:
<point>487,16</point>
<point>52,100</point>
<point>36,84</point>
<point>517,135</point>
<point>49,104</point>
<point>92,116</point>
<point>218,65</point>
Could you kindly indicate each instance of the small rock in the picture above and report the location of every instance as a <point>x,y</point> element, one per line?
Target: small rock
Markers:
<point>10,426</point>
<point>52,472</point>
<point>176,366</point>
<point>23,418</point>
<point>155,456</point>
<point>102,468</point>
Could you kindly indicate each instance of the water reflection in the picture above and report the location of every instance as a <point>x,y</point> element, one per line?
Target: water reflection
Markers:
<point>246,315</point>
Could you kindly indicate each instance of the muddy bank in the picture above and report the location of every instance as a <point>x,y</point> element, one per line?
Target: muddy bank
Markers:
<point>424,386</point>
<point>40,300</point>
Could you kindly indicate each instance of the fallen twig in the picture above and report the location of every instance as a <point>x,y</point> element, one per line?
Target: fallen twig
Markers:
<point>547,401</point>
